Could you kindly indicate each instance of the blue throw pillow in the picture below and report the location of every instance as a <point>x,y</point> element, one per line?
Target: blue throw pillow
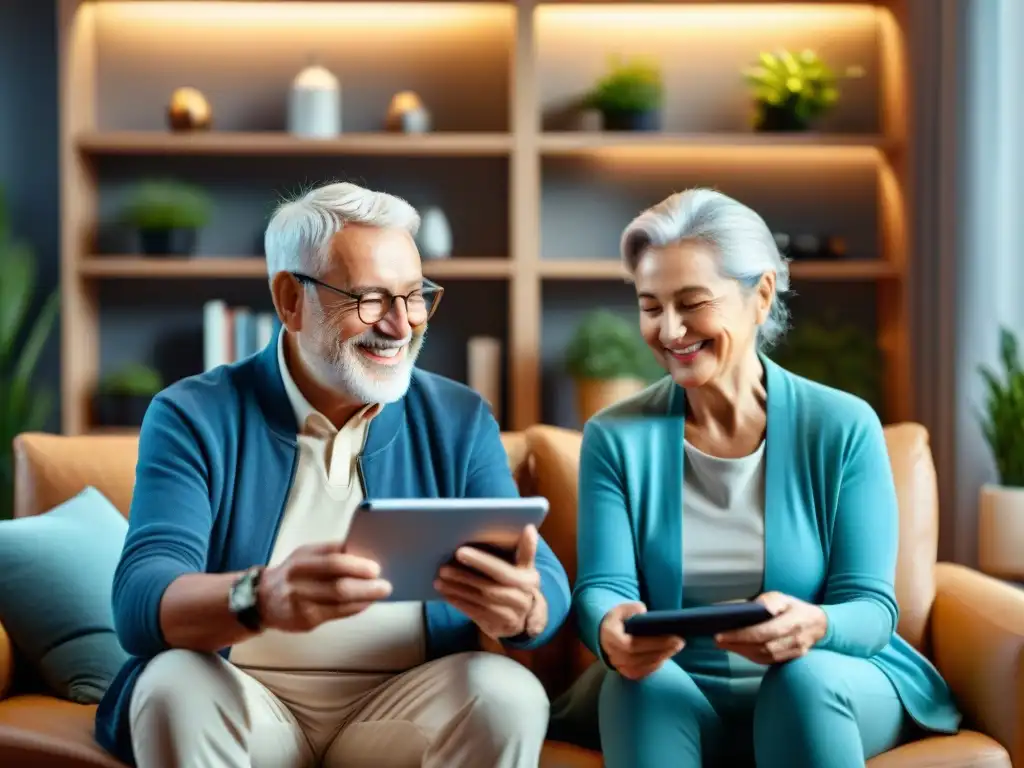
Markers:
<point>56,579</point>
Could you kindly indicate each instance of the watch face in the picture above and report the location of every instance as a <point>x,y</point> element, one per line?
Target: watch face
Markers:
<point>242,596</point>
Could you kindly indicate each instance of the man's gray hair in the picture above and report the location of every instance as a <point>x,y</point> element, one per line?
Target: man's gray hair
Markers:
<point>740,238</point>
<point>298,237</point>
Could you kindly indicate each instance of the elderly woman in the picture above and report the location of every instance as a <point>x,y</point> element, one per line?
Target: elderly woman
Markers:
<point>733,479</point>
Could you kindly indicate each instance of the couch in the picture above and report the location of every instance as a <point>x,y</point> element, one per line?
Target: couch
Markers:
<point>970,625</point>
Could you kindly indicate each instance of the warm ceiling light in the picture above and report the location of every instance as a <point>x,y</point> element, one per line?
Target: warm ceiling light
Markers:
<point>347,17</point>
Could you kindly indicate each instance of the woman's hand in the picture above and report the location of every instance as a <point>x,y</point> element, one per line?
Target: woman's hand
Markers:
<point>795,628</point>
<point>634,657</point>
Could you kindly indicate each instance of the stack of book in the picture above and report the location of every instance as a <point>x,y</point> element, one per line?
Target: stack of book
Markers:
<point>234,333</point>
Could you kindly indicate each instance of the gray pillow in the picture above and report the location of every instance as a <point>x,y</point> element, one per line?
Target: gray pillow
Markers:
<point>55,593</point>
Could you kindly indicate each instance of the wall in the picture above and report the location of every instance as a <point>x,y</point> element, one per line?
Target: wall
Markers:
<point>28,146</point>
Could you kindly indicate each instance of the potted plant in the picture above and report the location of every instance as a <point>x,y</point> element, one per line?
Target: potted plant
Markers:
<point>629,96</point>
<point>791,91</point>
<point>1001,507</point>
<point>833,353</point>
<point>167,216</point>
<point>608,361</point>
<point>24,406</point>
<point>123,396</point>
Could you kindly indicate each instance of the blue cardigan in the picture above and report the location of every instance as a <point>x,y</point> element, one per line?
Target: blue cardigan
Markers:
<point>831,523</point>
<point>217,457</point>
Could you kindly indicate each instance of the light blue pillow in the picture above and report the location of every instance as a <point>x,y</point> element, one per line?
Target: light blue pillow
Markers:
<point>56,578</point>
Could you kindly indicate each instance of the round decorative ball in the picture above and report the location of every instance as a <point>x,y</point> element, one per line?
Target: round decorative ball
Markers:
<point>189,110</point>
<point>407,114</point>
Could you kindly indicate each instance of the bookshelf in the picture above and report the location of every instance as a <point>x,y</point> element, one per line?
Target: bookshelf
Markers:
<point>498,133</point>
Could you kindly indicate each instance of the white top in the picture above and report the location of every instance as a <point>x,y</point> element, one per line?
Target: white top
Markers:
<point>723,527</point>
<point>387,637</point>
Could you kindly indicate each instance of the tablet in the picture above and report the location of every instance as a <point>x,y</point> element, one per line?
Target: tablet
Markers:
<point>412,538</point>
<point>697,622</point>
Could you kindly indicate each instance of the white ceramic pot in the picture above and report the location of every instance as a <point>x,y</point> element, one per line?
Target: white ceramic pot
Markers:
<point>435,236</point>
<point>1001,531</point>
<point>314,104</point>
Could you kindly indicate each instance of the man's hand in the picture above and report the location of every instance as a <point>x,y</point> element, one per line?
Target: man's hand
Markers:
<point>634,657</point>
<point>795,628</point>
<point>503,599</point>
<point>318,583</point>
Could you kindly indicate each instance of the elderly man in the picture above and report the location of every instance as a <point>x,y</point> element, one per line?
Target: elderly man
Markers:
<point>256,639</point>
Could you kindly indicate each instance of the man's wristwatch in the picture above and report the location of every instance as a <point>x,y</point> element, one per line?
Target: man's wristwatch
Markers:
<point>243,600</point>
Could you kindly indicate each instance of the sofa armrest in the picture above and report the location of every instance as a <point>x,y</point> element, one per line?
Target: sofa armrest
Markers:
<point>978,645</point>
<point>6,663</point>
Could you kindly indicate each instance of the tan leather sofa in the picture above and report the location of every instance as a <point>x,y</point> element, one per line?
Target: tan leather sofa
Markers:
<point>970,625</point>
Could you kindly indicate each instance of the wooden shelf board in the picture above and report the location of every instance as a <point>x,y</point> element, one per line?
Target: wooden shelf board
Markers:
<point>250,267</point>
<point>583,142</point>
<point>272,143</point>
<point>611,269</point>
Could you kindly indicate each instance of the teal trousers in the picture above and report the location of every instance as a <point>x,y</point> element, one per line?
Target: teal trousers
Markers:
<point>824,710</point>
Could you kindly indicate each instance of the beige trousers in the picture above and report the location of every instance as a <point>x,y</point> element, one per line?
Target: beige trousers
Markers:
<point>469,710</point>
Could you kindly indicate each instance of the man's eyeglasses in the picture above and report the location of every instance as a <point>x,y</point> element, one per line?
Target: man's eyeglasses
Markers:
<point>373,305</point>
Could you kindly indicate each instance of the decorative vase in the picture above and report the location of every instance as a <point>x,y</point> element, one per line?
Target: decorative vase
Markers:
<point>314,104</point>
<point>177,241</point>
<point>592,395</point>
<point>189,110</point>
<point>776,119</point>
<point>434,238</point>
<point>1001,531</point>
<point>407,114</point>
<point>631,120</point>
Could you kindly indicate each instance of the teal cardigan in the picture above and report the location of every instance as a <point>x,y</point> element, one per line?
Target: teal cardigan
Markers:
<point>831,523</point>
<point>217,457</point>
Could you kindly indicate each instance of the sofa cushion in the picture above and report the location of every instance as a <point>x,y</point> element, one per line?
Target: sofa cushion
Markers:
<point>55,593</point>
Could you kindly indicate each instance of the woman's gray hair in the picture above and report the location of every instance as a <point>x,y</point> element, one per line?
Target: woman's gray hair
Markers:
<point>299,235</point>
<point>743,242</point>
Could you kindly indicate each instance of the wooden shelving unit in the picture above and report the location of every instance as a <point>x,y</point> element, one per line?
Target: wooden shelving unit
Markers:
<point>86,141</point>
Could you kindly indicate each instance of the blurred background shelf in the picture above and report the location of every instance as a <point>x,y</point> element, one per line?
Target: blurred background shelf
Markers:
<point>584,142</point>
<point>611,269</point>
<point>226,143</point>
<point>527,189</point>
<point>247,267</point>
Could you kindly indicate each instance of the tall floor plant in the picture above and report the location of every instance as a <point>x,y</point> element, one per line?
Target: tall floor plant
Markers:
<point>24,405</point>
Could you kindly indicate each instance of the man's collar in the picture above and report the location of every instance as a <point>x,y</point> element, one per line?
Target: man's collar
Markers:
<point>273,399</point>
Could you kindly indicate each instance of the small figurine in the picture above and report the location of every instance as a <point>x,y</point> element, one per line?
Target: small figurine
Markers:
<point>189,110</point>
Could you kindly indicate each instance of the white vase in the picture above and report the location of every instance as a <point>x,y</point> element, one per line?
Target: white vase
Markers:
<point>1001,531</point>
<point>314,104</point>
<point>435,236</point>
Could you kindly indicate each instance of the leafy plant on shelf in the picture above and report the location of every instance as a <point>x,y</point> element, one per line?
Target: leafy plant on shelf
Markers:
<point>1003,419</point>
<point>24,405</point>
<point>834,353</point>
<point>629,96</point>
<point>791,91</point>
<point>133,380</point>
<point>164,204</point>
<point>167,216</point>
<point>606,346</point>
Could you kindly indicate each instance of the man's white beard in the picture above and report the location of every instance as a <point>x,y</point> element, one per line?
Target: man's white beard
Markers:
<point>342,367</point>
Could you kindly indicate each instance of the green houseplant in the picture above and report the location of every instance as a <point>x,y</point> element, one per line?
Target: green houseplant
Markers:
<point>629,96</point>
<point>24,406</point>
<point>1001,504</point>
<point>608,361</point>
<point>167,215</point>
<point>123,396</point>
<point>834,353</point>
<point>790,90</point>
